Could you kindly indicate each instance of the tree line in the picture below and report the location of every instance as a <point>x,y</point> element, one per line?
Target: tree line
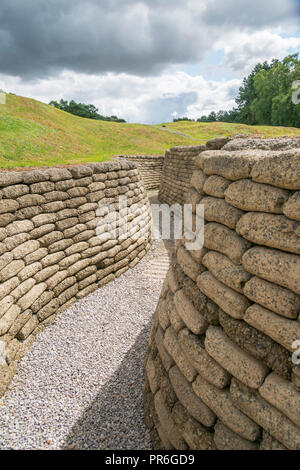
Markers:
<point>88,111</point>
<point>265,97</point>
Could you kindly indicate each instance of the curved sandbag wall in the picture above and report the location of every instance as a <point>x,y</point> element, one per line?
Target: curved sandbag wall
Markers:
<point>179,163</point>
<point>56,247</point>
<point>219,372</point>
<point>177,170</point>
<point>150,168</point>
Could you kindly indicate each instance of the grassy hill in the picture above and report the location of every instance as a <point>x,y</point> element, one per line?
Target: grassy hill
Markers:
<point>203,131</point>
<point>35,134</point>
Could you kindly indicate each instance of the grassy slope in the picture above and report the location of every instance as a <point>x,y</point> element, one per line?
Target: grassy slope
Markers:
<point>203,131</point>
<point>35,134</point>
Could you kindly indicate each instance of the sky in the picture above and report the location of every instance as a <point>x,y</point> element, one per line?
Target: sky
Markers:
<point>146,61</point>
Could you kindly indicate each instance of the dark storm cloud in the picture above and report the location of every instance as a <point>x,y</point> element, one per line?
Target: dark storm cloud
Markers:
<point>249,14</point>
<point>42,37</point>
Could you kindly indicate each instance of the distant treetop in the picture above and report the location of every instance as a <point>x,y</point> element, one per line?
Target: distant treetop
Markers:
<point>265,97</point>
<point>183,119</point>
<point>88,111</point>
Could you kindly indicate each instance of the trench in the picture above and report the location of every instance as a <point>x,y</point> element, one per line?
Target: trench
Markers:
<point>81,384</point>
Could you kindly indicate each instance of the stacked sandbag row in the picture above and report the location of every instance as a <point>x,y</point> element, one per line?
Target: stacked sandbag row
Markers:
<point>280,143</point>
<point>220,372</point>
<point>150,168</point>
<point>55,246</point>
<point>177,170</point>
<point>179,162</point>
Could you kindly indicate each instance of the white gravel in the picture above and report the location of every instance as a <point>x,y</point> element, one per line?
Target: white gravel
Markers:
<point>80,386</point>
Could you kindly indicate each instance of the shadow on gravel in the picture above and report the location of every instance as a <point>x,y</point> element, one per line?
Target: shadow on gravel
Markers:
<point>115,420</point>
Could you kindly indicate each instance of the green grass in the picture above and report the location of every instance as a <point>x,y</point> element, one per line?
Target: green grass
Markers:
<point>203,131</point>
<point>35,134</point>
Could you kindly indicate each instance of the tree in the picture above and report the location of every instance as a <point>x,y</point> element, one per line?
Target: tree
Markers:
<point>247,95</point>
<point>88,111</point>
<point>265,96</point>
<point>182,119</point>
<point>212,117</point>
<point>273,104</point>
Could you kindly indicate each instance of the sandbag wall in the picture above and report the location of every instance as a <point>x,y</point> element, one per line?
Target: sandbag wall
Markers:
<point>219,372</point>
<point>55,248</point>
<point>177,170</point>
<point>150,168</point>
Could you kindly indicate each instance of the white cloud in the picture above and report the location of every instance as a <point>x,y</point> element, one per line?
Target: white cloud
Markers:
<point>244,50</point>
<point>137,99</point>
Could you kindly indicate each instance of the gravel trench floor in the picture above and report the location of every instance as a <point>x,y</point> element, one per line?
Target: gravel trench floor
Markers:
<point>80,386</point>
